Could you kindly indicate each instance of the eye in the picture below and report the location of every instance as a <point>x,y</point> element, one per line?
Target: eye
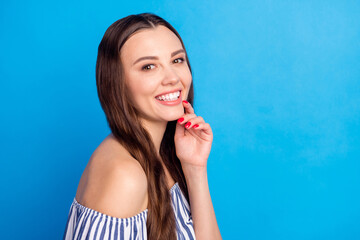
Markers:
<point>148,67</point>
<point>181,60</point>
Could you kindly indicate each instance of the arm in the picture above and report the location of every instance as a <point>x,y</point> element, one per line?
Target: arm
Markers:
<point>112,198</point>
<point>115,186</point>
<point>202,210</point>
<point>193,143</point>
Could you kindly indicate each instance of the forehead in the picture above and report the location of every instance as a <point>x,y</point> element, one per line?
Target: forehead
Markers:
<point>151,41</point>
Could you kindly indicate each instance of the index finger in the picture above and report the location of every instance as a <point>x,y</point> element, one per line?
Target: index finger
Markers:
<point>188,107</point>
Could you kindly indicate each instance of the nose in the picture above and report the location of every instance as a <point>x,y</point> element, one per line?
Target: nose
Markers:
<point>170,76</point>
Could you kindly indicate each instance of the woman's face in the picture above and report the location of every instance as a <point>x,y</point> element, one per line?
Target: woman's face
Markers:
<point>154,66</point>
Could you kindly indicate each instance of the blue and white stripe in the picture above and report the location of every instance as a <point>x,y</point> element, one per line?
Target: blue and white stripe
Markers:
<point>85,223</point>
<point>184,223</point>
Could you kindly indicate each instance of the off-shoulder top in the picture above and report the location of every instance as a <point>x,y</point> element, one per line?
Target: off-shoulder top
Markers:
<point>85,223</point>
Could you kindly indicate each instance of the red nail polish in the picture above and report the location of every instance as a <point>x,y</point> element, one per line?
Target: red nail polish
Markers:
<point>188,125</point>
<point>185,101</point>
<point>180,120</point>
<point>195,126</point>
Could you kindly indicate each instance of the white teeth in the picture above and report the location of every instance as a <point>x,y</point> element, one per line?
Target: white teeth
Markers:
<point>169,97</point>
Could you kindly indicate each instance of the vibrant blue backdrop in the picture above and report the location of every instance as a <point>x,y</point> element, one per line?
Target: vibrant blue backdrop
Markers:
<point>279,82</point>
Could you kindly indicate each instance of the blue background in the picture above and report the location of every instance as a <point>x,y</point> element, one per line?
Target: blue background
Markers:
<point>279,82</point>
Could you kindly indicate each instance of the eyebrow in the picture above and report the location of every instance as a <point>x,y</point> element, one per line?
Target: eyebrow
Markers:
<point>154,57</point>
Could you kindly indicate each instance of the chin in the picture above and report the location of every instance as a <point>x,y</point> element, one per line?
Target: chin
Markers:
<point>175,115</point>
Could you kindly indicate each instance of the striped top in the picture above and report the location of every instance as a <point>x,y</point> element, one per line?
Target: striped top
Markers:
<point>85,223</point>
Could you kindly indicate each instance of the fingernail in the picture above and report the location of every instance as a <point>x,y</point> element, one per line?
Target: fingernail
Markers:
<point>185,101</point>
<point>180,120</point>
<point>195,126</point>
<point>188,125</point>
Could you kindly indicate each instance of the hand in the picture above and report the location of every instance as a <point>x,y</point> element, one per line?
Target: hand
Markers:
<point>193,139</point>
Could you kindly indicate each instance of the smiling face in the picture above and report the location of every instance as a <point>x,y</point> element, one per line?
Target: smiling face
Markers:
<point>156,71</point>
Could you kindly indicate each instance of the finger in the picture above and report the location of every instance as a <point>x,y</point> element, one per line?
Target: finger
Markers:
<point>205,127</point>
<point>179,130</point>
<point>188,107</point>
<point>185,118</point>
<point>193,121</point>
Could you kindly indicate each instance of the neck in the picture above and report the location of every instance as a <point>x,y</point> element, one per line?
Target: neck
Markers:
<point>156,131</point>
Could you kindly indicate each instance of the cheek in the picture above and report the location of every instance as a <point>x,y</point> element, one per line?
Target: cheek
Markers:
<point>186,82</point>
<point>141,90</point>
<point>187,79</point>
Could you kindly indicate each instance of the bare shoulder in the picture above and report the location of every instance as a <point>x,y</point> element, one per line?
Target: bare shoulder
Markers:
<point>113,182</point>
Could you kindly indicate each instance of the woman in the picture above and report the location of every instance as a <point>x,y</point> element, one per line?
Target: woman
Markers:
<point>142,179</point>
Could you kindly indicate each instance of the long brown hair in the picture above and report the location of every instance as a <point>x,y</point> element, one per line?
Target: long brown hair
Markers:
<point>125,125</point>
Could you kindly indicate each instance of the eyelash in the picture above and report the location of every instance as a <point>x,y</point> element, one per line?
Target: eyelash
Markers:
<point>145,67</point>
